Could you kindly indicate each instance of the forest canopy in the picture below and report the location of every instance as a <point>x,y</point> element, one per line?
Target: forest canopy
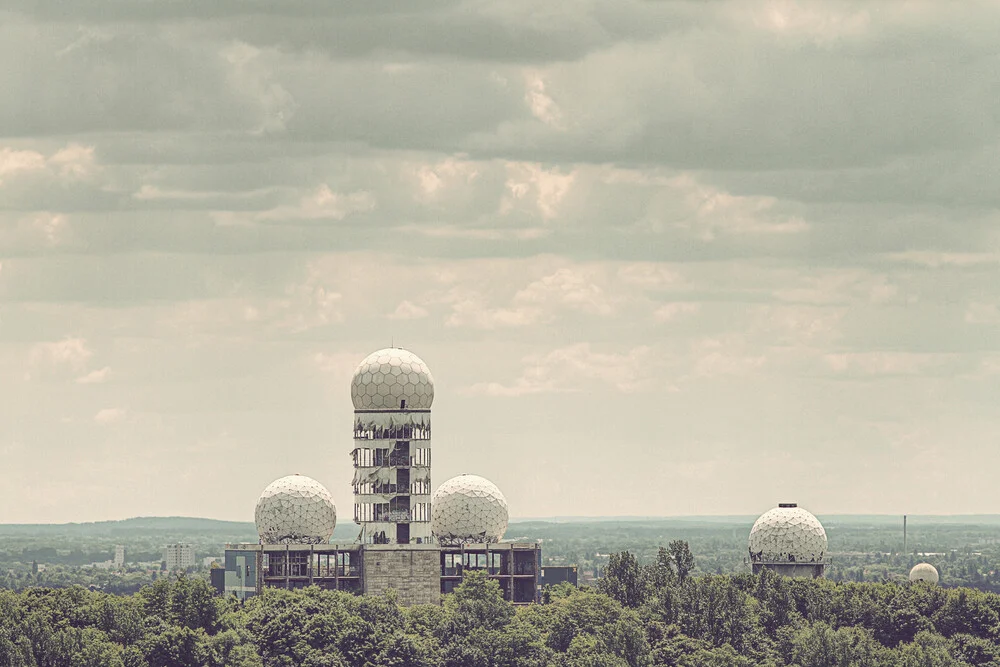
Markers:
<point>640,615</point>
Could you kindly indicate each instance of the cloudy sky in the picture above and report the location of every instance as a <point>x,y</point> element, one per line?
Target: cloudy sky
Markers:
<point>663,258</point>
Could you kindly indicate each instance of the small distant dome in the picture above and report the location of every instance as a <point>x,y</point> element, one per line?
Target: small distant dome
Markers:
<point>392,379</point>
<point>924,572</point>
<point>787,534</point>
<point>468,508</point>
<point>295,510</point>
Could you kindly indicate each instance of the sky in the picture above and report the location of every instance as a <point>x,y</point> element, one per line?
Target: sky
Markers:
<point>662,258</point>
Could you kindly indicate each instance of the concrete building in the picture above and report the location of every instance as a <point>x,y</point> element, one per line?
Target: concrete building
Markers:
<point>788,540</point>
<point>419,573</point>
<point>553,575</point>
<point>178,557</point>
<point>516,566</point>
<point>119,559</point>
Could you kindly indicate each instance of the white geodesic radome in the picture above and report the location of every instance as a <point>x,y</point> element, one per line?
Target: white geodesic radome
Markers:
<point>787,534</point>
<point>295,510</point>
<point>466,509</point>
<point>924,572</point>
<point>392,379</point>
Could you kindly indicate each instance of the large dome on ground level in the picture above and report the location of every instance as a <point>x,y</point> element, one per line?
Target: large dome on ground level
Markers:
<point>468,508</point>
<point>924,572</point>
<point>392,379</point>
<point>295,510</point>
<point>787,534</point>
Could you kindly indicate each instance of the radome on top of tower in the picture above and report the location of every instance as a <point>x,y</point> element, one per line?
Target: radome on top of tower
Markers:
<point>392,379</point>
<point>295,510</point>
<point>787,533</point>
<point>468,508</point>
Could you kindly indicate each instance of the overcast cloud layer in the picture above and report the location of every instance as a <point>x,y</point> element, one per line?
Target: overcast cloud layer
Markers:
<point>663,258</point>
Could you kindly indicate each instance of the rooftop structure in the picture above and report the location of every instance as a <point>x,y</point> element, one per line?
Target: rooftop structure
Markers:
<point>469,509</point>
<point>789,540</point>
<point>924,572</point>
<point>295,510</point>
<point>392,391</point>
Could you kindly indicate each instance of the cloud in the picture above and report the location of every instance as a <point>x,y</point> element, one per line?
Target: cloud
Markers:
<point>570,368</point>
<point>109,416</point>
<point>407,310</point>
<point>544,188</point>
<point>73,161</point>
<point>725,356</point>
<point>95,377</point>
<point>69,353</point>
<point>323,204</point>
<point>570,288</point>
<point>470,309</point>
<point>14,161</point>
<point>649,275</point>
<point>670,311</point>
<point>542,106</point>
<point>832,286</point>
<point>888,363</point>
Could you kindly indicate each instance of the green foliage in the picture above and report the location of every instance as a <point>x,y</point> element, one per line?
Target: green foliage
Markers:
<point>645,616</point>
<point>624,581</point>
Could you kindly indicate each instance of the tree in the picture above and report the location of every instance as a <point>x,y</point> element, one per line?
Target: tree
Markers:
<point>661,573</point>
<point>623,580</point>
<point>683,560</point>
<point>176,646</point>
<point>819,645</point>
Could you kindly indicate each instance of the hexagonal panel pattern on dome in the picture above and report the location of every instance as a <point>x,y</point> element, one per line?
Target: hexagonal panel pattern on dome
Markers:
<point>924,572</point>
<point>295,510</point>
<point>787,534</point>
<point>388,377</point>
<point>468,508</point>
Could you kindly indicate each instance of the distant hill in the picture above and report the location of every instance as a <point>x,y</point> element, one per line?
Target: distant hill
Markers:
<point>346,530</point>
<point>144,524</point>
<point>166,526</point>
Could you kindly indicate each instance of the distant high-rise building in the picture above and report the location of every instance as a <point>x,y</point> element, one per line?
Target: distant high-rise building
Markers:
<point>119,560</point>
<point>178,556</point>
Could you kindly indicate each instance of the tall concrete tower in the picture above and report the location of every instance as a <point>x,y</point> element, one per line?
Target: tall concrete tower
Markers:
<point>392,392</point>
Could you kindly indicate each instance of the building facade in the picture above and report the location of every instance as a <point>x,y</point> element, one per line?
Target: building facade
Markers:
<point>553,575</point>
<point>178,557</point>
<point>419,574</point>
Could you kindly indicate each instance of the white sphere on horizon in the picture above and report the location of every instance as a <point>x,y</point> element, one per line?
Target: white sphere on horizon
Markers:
<point>924,572</point>
<point>468,509</point>
<point>787,533</point>
<point>295,510</point>
<point>392,379</point>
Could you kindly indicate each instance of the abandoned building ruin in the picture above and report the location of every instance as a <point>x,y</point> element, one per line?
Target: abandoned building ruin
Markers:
<point>412,543</point>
